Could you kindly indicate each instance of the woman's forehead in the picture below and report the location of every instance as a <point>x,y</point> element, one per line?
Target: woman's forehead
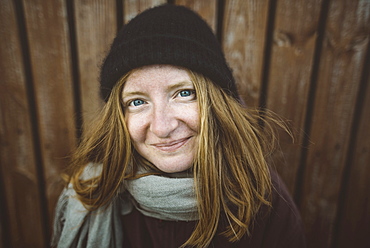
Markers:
<point>157,75</point>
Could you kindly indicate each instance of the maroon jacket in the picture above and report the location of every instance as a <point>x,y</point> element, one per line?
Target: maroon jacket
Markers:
<point>279,227</point>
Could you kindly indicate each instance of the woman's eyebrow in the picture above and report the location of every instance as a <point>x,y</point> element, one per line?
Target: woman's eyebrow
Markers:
<point>180,85</point>
<point>132,93</point>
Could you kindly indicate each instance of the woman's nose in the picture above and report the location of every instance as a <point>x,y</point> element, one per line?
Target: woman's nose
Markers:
<point>163,121</point>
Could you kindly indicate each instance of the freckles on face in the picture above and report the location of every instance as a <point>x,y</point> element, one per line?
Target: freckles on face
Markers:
<point>162,116</point>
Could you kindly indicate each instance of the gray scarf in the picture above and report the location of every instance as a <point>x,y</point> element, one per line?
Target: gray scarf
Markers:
<point>164,198</point>
<point>154,196</point>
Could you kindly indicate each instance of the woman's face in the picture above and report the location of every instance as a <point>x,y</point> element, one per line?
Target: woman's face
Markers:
<point>162,116</point>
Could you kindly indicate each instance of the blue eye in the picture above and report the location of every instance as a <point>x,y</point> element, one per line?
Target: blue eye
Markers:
<point>185,93</point>
<point>136,102</point>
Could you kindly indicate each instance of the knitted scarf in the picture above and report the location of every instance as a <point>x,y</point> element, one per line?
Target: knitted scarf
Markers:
<point>164,198</point>
<point>154,196</point>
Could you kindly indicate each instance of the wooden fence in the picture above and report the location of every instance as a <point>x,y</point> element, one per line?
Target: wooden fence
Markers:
<point>307,60</point>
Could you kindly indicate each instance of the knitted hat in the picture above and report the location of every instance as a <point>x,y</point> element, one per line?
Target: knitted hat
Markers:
<point>166,34</point>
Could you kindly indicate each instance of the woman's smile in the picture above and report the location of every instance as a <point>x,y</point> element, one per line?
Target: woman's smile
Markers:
<point>171,146</point>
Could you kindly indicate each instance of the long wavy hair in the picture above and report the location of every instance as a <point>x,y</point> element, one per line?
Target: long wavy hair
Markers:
<point>231,175</point>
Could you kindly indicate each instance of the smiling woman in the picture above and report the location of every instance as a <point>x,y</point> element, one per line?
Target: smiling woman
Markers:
<point>174,159</point>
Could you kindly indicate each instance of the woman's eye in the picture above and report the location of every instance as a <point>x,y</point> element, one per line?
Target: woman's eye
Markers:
<point>185,93</point>
<point>136,102</point>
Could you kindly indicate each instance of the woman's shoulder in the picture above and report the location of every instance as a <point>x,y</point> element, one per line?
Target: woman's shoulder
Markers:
<point>75,226</point>
<point>273,227</point>
<point>68,218</point>
<point>282,223</point>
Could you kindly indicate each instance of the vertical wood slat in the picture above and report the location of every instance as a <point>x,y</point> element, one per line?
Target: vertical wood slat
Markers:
<point>2,236</point>
<point>245,24</point>
<point>47,29</point>
<point>92,45</point>
<point>2,223</point>
<point>133,7</point>
<point>17,159</point>
<point>294,40</point>
<point>341,61</point>
<point>354,227</point>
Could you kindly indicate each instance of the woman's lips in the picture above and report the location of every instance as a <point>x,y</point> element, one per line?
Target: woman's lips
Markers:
<point>171,146</point>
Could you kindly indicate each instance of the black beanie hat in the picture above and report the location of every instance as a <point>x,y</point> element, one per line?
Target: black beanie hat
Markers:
<point>166,34</point>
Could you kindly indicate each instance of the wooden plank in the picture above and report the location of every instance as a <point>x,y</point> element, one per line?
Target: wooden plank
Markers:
<point>47,29</point>
<point>294,39</point>
<point>206,9</point>
<point>2,240</point>
<point>2,228</point>
<point>354,225</point>
<point>133,7</point>
<point>17,160</point>
<point>96,27</point>
<point>245,24</point>
<point>2,236</point>
<point>342,59</point>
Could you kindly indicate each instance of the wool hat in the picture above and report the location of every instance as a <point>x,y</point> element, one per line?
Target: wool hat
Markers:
<point>167,34</point>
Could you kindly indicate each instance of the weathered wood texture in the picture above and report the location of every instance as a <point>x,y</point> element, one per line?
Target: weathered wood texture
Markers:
<point>355,205</point>
<point>308,61</point>
<point>134,7</point>
<point>244,40</point>
<point>50,66</point>
<point>95,27</point>
<point>19,168</point>
<point>341,62</point>
<point>293,45</point>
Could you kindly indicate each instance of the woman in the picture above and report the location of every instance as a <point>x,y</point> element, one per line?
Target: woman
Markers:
<point>174,159</point>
